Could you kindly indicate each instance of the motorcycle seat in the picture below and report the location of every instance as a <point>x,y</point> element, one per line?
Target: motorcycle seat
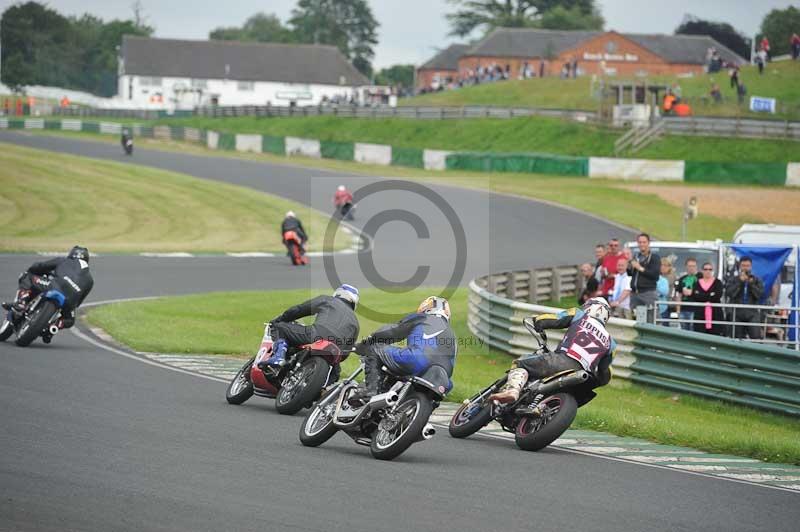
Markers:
<point>436,379</point>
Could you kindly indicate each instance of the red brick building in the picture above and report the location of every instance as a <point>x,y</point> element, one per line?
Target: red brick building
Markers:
<point>441,67</point>
<point>602,53</point>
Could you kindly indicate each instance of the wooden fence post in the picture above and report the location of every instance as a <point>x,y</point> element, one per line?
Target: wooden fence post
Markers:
<point>533,287</point>
<point>555,286</point>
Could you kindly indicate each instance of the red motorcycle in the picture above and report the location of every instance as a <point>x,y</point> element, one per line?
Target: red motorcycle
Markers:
<point>296,384</point>
<point>294,245</point>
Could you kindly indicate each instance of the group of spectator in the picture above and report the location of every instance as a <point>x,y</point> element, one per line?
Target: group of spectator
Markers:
<point>629,280</point>
<point>495,72</point>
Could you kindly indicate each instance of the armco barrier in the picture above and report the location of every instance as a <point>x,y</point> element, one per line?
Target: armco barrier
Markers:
<point>373,154</point>
<point>793,175</point>
<point>645,169</point>
<point>227,141</point>
<point>435,159</point>
<point>519,162</point>
<point>412,157</point>
<point>305,147</point>
<point>251,143</point>
<point>212,140</point>
<point>750,374</point>
<point>343,151</point>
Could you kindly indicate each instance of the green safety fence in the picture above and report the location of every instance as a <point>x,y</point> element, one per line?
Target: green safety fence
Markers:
<point>227,141</point>
<point>16,124</point>
<point>735,173</point>
<point>412,157</point>
<point>343,151</point>
<point>276,145</point>
<point>519,162</point>
<point>90,127</point>
<point>745,373</point>
<point>52,124</point>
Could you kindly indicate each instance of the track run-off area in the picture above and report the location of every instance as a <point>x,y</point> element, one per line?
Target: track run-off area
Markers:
<point>96,441</point>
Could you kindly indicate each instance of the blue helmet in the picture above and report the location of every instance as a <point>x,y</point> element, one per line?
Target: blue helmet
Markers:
<point>347,292</point>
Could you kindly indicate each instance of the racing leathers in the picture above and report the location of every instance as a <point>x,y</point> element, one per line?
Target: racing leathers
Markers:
<point>430,341</point>
<point>586,345</point>
<point>290,223</point>
<point>335,321</point>
<point>71,280</point>
<point>342,197</point>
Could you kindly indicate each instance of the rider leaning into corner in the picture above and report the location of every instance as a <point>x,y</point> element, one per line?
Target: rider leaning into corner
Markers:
<point>335,321</point>
<point>71,277</point>
<point>342,196</point>
<point>430,341</point>
<point>292,223</point>
<point>586,345</point>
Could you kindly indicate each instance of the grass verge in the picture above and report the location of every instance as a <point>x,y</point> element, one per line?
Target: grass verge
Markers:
<point>114,207</point>
<point>605,198</point>
<point>231,323</point>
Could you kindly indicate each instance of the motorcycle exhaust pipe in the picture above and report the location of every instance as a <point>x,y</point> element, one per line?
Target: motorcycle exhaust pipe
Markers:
<point>573,379</point>
<point>53,330</point>
<point>384,400</point>
<point>428,431</point>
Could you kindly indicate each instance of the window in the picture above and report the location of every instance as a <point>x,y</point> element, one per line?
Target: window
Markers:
<point>245,85</point>
<point>150,82</point>
<point>199,84</point>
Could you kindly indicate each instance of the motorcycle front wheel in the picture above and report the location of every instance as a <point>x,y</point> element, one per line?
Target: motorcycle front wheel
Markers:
<point>318,427</point>
<point>33,326</point>
<point>398,431</point>
<point>240,388</point>
<point>302,386</point>
<point>6,329</point>
<point>470,418</point>
<point>537,432</point>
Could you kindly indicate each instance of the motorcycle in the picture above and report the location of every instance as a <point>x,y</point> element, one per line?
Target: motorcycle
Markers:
<point>296,384</point>
<point>40,317</point>
<point>389,423</point>
<point>127,145</point>
<point>545,408</point>
<point>296,250</point>
<point>346,210</point>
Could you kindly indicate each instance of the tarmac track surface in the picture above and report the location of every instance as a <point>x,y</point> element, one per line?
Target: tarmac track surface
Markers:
<point>93,441</point>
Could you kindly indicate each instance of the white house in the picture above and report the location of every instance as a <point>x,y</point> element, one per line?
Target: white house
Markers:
<point>180,74</point>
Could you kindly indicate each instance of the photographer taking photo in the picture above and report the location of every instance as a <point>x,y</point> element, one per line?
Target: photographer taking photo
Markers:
<point>745,288</point>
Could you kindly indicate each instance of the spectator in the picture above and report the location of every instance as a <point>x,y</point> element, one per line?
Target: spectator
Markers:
<point>644,270</point>
<point>741,92</point>
<point>733,72</point>
<point>620,296</point>
<point>716,94</point>
<point>765,46</point>
<point>745,288</point>
<point>599,255</point>
<point>795,43</point>
<point>590,284</point>
<point>761,60</point>
<point>676,91</point>
<point>684,287</point>
<point>574,67</point>
<point>664,287</point>
<point>541,68</point>
<point>708,290</point>
<point>610,266</point>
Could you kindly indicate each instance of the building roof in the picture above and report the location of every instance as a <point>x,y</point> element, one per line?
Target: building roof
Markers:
<point>528,42</point>
<point>242,61</point>
<point>446,59</point>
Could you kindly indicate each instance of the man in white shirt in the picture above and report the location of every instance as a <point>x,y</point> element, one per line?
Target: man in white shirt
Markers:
<point>620,296</point>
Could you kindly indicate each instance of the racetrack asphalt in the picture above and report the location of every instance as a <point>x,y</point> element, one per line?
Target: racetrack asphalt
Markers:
<point>94,441</point>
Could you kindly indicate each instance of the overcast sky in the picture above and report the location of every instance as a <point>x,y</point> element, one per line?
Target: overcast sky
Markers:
<point>411,30</point>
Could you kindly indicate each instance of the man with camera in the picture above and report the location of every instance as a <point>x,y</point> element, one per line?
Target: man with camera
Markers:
<point>644,270</point>
<point>745,288</point>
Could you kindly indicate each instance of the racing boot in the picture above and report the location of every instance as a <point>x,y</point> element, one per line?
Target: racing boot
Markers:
<point>278,357</point>
<point>517,378</point>
<point>372,382</point>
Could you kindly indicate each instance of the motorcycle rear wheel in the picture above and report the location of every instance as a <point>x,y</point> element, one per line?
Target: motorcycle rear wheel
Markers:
<point>536,433</point>
<point>318,427</point>
<point>6,329</point>
<point>389,444</point>
<point>240,388</point>
<point>302,392</point>
<point>33,327</point>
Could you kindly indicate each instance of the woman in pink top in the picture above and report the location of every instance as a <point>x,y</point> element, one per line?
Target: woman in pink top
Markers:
<point>708,289</point>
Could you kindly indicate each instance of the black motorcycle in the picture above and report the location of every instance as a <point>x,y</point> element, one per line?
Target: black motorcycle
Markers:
<point>389,423</point>
<point>39,317</point>
<point>346,211</point>
<point>545,408</point>
<point>127,144</point>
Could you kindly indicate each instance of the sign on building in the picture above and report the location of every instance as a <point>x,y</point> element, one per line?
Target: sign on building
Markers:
<point>762,105</point>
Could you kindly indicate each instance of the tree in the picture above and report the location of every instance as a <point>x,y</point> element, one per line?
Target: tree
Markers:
<point>722,32</point>
<point>778,26</point>
<point>261,27</point>
<point>396,75</point>
<point>489,14</point>
<point>561,18</point>
<point>347,24</point>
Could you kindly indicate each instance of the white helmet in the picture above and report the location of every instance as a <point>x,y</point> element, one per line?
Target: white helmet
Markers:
<point>438,306</point>
<point>597,308</point>
<point>347,292</point>
<point>290,214</point>
<point>341,188</point>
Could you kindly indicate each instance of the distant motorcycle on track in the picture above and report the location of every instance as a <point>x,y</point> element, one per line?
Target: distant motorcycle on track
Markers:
<point>127,144</point>
<point>295,248</point>
<point>296,384</point>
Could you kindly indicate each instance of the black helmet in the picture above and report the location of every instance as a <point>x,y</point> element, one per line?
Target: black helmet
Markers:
<point>79,252</point>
